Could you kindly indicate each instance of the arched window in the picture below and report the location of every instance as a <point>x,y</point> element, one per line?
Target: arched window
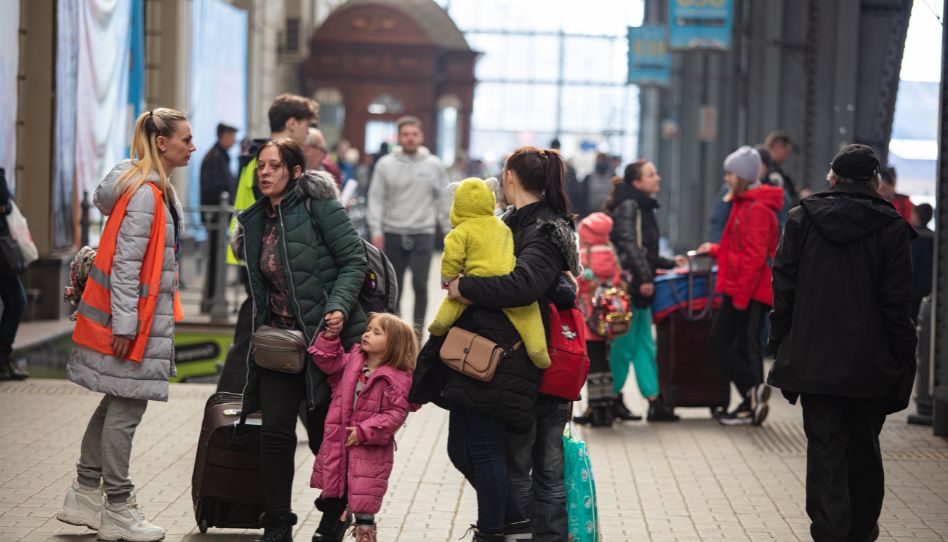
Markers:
<point>448,127</point>
<point>386,104</point>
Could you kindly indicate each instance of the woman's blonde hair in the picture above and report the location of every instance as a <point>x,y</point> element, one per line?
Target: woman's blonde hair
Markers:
<point>741,186</point>
<point>401,344</point>
<point>144,149</point>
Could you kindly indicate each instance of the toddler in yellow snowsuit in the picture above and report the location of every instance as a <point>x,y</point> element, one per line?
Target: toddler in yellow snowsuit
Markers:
<point>481,245</point>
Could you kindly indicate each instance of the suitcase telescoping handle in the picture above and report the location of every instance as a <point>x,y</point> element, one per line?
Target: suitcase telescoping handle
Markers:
<point>695,270</point>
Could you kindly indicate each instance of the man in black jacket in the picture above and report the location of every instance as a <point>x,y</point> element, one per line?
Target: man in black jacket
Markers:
<point>216,177</point>
<point>843,339</point>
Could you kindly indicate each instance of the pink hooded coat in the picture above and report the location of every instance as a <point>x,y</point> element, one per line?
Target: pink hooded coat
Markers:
<point>379,411</point>
<point>598,258</point>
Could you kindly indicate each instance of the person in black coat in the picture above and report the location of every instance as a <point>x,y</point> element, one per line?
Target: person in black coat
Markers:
<point>923,253</point>
<point>216,177</point>
<point>632,205</point>
<point>482,414</point>
<point>843,339</point>
<point>12,294</point>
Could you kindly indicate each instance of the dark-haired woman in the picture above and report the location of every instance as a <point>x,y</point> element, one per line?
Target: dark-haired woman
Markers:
<point>299,278</point>
<point>632,206</point>
<point>501,430</point>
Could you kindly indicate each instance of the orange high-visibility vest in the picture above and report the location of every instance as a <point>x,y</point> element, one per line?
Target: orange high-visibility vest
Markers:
<point>94,316</point>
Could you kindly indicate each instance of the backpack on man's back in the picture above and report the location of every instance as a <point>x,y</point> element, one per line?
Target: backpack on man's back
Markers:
<point>380,290</point>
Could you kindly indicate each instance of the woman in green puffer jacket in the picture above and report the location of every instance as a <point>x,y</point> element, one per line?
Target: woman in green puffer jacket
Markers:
<point>306,266</point>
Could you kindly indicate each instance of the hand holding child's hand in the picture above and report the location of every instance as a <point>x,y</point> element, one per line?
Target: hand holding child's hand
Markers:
<point>334,322</point>
<point>353,439</point>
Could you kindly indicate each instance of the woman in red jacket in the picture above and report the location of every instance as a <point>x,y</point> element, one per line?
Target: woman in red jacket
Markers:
<point>744,257</point>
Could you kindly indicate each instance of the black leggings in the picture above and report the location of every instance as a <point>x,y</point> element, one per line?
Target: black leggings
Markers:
<point>735,343</point>
<point>280,397</point>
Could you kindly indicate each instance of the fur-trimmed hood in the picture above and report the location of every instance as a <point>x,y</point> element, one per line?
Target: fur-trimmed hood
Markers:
<point>562,233</point>
<point>318,185</point>
<point>557,227</point>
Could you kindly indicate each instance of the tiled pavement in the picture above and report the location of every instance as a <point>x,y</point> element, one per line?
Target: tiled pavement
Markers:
<point>688,481</point>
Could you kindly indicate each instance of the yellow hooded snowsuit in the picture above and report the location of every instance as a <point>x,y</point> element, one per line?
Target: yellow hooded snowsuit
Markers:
<point>481,245</point>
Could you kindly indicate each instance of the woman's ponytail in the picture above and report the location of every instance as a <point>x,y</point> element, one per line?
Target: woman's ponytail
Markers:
<point>144,149</point>
<point>554,189</point>
<point>543,172</point>
<point>632,173</point>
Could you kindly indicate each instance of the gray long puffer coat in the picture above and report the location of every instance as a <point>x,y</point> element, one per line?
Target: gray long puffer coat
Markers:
<point>108,374</point>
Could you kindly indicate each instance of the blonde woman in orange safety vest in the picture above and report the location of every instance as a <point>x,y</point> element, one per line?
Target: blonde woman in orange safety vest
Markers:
<point>124,335</point>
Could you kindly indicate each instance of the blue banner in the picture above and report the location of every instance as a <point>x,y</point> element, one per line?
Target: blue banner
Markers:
<point>649,59</point>
<point>699,24</point>
<point>136,66</point>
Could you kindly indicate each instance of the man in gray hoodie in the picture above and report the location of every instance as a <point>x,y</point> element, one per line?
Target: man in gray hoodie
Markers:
<point>406,201</point>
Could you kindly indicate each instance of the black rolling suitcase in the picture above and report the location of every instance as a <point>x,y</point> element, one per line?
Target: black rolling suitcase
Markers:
<point>227,486</point>
<point>687,375</point>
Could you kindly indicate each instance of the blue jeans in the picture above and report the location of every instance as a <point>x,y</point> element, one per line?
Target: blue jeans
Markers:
<point>476,445</point>
<point>14,305</point>
<point>536,470</point>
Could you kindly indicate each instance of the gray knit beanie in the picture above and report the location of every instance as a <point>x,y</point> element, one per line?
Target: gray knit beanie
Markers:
<point>744,162</point>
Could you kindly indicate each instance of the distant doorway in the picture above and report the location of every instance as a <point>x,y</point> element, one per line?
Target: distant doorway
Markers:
<point>378,132</point>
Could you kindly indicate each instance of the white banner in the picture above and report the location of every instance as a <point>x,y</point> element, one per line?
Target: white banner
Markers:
<point>9,61</point>
<point>102,116</point>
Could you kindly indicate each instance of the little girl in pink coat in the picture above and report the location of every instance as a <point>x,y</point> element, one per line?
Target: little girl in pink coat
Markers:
<point>370,386</point>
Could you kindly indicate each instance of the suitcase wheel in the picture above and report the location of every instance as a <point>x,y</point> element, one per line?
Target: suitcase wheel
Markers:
<point>202,526</point>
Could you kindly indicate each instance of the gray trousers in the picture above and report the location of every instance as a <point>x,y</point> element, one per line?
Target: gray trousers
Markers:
<point>107,445</point>
<point>413,252</point>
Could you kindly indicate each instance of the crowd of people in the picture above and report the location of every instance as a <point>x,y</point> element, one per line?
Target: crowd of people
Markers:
<point>517,252</point>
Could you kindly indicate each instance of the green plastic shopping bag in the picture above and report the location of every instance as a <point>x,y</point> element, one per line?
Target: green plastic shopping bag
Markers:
<point>580,490</point>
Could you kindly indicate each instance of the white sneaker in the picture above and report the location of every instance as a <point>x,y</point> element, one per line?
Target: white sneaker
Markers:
<point>82,506</point>
<point>126,522</point>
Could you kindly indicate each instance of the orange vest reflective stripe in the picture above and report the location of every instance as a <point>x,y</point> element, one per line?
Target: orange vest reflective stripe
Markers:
<point>94,316</point>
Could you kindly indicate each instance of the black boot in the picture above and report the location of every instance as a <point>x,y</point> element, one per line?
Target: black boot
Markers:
<point>518,531</point>
<point>622,412</point>
<point>585,418</point>
<point>602,416</point>
<point>277,526</point>
<point>658,411</point>
<point>330,529</point>
<point>9,371</point>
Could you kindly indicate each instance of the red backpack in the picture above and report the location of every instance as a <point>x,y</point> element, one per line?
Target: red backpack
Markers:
<point>569,365</point>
